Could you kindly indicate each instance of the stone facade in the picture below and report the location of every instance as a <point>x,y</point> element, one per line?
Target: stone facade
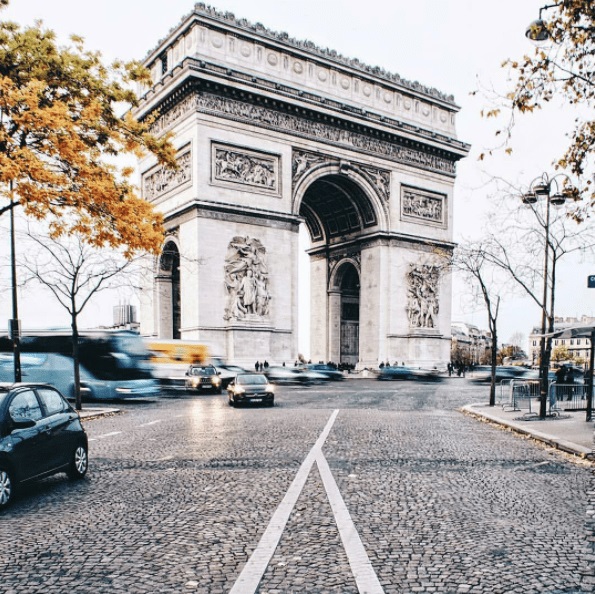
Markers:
<point>273,133</point>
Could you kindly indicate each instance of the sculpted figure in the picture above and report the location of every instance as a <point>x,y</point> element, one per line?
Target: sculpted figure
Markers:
<point>246,279</point>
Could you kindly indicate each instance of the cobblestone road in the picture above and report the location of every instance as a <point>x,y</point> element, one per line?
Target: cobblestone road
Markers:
<point>405,494</point>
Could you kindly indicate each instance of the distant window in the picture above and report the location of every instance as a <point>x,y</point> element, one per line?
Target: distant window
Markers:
<point>163,63</point>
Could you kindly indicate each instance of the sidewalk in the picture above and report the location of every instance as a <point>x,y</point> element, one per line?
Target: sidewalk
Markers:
<point>93,412</point>
<point>569,432</point>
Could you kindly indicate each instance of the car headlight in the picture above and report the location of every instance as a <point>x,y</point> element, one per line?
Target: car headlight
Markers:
<point>270,388</point>
<point>238,390</point>
<point>195,382</point>
<point>216,380</point>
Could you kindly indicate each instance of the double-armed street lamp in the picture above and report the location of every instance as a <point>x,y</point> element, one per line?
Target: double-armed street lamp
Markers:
<point>14,323</point>
<point>537,31</point>
<point>550,190</point>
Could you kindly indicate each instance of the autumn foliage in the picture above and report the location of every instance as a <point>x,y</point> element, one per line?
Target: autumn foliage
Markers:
<point>65,119</point>
<point>563,67</point>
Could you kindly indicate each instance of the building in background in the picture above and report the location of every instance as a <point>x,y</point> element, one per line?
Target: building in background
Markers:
<point>575,350</point>
<point>469,344</point>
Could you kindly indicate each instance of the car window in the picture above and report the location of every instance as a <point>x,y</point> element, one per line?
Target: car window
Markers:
<point>252,380</point>
<point>25,406</point>
<point>52,401</point>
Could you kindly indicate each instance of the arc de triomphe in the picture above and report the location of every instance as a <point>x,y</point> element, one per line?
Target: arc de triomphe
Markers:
<point>273,133</point>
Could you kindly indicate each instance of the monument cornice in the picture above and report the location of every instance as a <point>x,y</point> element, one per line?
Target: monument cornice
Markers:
<point>226,22</point>
<point>384,238</point>
<point>227,211</point>
<point>193,72</point>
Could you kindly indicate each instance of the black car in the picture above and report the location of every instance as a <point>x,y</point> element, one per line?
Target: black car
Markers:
<point>395,373</point>
<point>40,434</point>
<point>203,377</point>
<point>250,387</point>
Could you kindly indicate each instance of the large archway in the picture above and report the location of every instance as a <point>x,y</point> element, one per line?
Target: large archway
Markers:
<point>169,291</point>
<point>338,209</point>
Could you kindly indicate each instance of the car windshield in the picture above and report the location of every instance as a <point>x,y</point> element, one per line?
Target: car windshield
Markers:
<point>203,371</point>
<point>252,380</point>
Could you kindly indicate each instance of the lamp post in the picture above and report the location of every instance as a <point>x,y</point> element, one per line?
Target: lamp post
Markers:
<point>14,324</point>
<point>548,189</point>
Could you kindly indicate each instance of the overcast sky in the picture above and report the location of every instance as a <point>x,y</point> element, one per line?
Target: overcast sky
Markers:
<point>456,46</point>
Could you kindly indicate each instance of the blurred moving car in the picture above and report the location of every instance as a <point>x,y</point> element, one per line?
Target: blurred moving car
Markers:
<point>483,373</point>
<point>294,375</point>
<point>250,388</point>
<point>40,434</point>
<point>331,372</point>
<point>400,372</point>
<point>227,373</point>
<point>395,373</point>
<point>203,377</point>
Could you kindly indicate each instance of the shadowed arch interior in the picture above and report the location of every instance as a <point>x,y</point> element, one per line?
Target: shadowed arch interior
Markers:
<point>335,206</point>
<point>169,266</point>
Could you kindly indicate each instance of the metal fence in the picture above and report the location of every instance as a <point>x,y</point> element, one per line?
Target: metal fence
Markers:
<point>525,395</point>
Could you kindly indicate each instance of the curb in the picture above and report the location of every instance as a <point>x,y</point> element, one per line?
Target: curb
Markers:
<point>556,443</point>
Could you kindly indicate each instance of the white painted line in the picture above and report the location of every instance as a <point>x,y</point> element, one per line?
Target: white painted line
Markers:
<point>363,572</point>
<point>249,578</point>
<point>108,434</point>
<point>150,423</point>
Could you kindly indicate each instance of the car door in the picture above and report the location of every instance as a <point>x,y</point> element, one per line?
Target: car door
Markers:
<point>57,421</point>
<point>27,442</point>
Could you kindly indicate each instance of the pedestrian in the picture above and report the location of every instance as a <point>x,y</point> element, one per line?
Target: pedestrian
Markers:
<point>283,363</point>
<point>261,367</point>
<point>266,364</point>
<point>257,366</point>
<point>561,379</point>
<point>381,366</point>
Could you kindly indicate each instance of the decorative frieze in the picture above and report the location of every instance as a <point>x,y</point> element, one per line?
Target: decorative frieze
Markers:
<point>422,295</point>
<point>246,280</point>
<point>423,206</point>
<point>265,117</point>
<point>304,161</point>
<point>242,167</point>
<point>163,180</point>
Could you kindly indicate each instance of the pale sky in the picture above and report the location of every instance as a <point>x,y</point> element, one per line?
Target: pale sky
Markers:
<point>455,46</point>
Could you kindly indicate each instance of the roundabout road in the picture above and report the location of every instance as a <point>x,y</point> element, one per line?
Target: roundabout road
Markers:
<point>358,486</point>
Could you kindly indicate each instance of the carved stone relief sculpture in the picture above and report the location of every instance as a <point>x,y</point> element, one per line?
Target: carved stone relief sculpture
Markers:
<point>164,180</point>
<point>246,280</point>
<point>422,295</point>
<point>422,205</point>
<point>238,166</point>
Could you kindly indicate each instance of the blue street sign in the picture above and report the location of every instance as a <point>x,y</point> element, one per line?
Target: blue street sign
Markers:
<point>591,281</point>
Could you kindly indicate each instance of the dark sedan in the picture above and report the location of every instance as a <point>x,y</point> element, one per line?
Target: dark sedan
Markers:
<point>331,372</point>
<point>250,388</point>
<point>40,434</point>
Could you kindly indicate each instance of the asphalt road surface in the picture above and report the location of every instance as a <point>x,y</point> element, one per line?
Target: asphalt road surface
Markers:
<point>358,486</point>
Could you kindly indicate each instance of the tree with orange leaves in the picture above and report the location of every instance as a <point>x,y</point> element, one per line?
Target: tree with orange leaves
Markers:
<point>61,130</point>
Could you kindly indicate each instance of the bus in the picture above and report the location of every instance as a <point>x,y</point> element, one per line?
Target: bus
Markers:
<point>172,358</point>
<point>114,365</point>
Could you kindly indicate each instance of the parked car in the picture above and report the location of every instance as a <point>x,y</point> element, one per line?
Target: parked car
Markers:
<point>331,372</point>
<point>40,434</point>
<point>250,388</point>
<point>203,377</point>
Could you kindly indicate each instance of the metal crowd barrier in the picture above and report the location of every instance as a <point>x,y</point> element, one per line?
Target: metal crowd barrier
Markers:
<point>519,395</point>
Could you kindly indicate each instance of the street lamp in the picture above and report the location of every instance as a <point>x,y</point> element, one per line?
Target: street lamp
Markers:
<point>548,189</point>
<point>537,30</point>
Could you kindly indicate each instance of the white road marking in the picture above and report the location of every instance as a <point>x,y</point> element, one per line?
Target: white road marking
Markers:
<point>108,434</point>
<point>365,577</point>
<point>150,423</point>
<point>363,572</point>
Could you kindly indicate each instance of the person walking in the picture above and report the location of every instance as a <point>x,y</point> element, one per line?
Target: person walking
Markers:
<point>257,366</point>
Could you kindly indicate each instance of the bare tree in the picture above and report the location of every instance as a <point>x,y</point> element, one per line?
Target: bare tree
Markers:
<point>530,245</point>
<point>74,273</point>
<point>472,259</point>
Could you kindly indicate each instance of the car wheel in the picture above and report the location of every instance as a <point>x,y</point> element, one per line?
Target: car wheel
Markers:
<point>6,488</point>
<point>79,463</point>
<point>271,402</point>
